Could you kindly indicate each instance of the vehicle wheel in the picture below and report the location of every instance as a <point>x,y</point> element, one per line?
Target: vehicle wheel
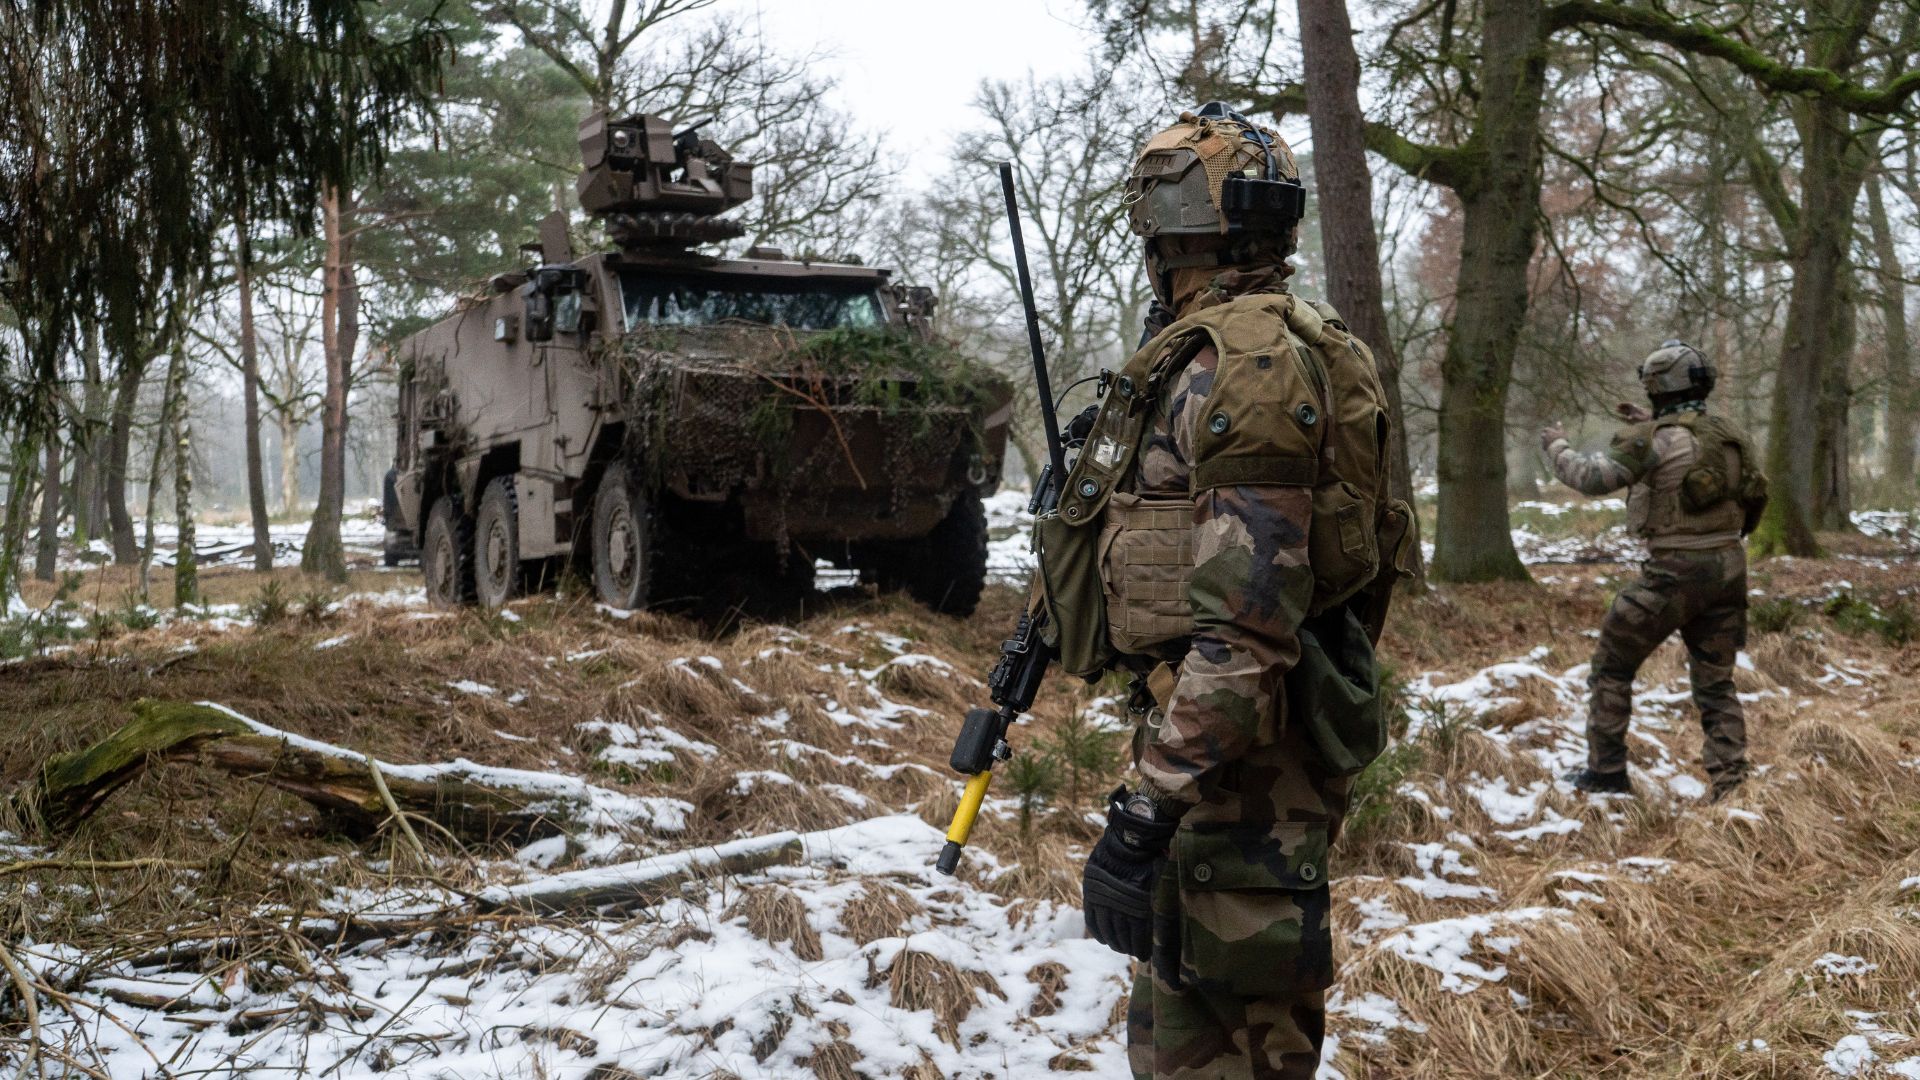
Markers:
<point>447,557</point>
<point>496,545</point>
<point>951,567</point>
<point>622,542</point>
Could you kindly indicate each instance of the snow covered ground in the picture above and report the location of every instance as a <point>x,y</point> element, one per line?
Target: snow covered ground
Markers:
<point>686,990</point>
<point>216,545</point>
<point>868,955</point>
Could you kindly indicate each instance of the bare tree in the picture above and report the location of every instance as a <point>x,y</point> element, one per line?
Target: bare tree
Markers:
<point>340,336</point>
<point>811,166</point>
<point>1902,410</point>
<point>1071,143</point>
<point>1348,242</point>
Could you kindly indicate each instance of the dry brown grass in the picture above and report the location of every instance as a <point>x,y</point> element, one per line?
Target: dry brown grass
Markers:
<point>922,981</point>
<point>775,913</point>
<point>882,910</point>
<point>1661,977</point>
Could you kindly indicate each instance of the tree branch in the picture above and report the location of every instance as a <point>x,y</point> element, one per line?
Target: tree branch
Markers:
<point>1703,40</point>
<point>1449,166</point>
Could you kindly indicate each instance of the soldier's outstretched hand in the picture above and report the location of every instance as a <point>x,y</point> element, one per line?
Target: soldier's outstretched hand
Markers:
<point>1631,413</point>
<point>1551,434</point>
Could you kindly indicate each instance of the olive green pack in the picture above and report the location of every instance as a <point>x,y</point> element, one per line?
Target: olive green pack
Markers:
<point>1296,401</point>
<point>1724,490</point>
<point>1708,485</point>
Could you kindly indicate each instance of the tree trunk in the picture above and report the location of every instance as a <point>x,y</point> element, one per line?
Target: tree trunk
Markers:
<point>289,463</point>
<point>466,799</point>
<point>154,473</point>
<point>1902,410</point>
<point>1818,333</point>
<point>1348,242</point>
<point>339,330</point>
<point>46,556</point>
<point>90,444</point>
<point>126,395</point>
<point>186,563</point>
<point>1473,540</point>
<point>1833,498</point>
<point>250,372</point>
<point>21,482</point>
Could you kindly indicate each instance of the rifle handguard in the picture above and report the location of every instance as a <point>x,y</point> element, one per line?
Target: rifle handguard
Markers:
<point>973,748</point>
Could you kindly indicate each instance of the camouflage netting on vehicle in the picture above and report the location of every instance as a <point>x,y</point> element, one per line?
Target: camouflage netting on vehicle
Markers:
<point>808,416</point>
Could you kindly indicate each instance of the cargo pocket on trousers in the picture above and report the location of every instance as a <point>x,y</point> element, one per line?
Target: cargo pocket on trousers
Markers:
<point>1641,607</point>
<point>1253,900</point>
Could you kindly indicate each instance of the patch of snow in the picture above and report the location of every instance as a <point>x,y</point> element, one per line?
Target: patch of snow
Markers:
<point>1835,966</point>
<point>1851,1056</point>
<point>1448,945</point>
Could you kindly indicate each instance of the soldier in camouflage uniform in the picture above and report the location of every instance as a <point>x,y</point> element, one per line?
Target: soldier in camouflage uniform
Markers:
<point>1694,489</point>
<point>1214,869</point>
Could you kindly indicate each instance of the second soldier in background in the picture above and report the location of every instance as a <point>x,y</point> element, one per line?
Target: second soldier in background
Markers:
<point>1694,489</point>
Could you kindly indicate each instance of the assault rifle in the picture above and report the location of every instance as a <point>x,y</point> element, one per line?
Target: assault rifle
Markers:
<point>1025,656</point>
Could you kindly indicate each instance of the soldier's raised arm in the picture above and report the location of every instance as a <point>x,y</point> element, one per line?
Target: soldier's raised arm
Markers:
<point>1625,460</point>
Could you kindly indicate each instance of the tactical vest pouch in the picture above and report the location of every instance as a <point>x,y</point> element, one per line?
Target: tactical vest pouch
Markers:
<point>1069,557</point>
<point>1333,693</point>
<point>1342,541</point>
<point>1146,561</point>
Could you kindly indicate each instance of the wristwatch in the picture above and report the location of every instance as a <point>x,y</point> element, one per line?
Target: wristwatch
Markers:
<point>1141,807</point>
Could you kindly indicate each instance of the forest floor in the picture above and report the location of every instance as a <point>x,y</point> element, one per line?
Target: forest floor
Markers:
<point>1491,921</point>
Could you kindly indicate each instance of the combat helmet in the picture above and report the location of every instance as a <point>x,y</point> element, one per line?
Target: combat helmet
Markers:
<point>1677,372</point>
<point>1214,189</point>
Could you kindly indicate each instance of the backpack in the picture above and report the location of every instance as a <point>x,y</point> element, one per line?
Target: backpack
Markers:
<point>1707,483</point>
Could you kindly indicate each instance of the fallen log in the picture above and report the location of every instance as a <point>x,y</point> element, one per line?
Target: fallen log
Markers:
<point>466,798</point>
<point>638,884</point>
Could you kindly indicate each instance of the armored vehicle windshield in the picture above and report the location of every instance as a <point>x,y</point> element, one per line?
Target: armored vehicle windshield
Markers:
<point>652,298</point>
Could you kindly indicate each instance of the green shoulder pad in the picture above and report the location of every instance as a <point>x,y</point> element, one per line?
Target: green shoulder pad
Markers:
<point>1632,447</point>
<point>1262,423</point>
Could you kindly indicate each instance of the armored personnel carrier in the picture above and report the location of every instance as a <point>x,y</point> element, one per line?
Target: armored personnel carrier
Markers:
<point>677,426</point>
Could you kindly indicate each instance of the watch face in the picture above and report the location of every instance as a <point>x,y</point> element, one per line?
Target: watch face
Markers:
<point>1140,806</point>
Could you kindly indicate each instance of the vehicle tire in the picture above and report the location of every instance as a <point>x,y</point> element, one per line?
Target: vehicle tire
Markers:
<point>950,569</point>
<point>622,542</point>
<point>446,559</point>
<point>496,545</point>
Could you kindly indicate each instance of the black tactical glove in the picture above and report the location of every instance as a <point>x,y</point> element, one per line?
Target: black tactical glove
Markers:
<point>1117,887</point>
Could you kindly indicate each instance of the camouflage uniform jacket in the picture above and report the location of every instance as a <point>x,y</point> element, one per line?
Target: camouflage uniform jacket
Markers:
<point>1650,460</point>
<point>1221,757</point>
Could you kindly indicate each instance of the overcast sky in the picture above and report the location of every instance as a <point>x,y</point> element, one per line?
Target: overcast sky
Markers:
<point>912,67</point>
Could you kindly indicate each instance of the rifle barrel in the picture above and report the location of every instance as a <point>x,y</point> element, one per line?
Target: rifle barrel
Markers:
<point>1055,456</point>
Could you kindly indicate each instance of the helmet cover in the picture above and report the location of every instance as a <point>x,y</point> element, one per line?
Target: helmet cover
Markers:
<point>1677,369</point>
<point>1214,172</point>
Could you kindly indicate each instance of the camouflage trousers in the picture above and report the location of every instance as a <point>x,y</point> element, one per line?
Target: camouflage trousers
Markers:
<point>1702,594</point>
<point>1237,984</point>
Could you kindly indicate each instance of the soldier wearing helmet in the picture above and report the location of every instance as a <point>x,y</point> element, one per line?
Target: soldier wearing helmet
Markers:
<point>1694,490</point>
<point>1236,482</point>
